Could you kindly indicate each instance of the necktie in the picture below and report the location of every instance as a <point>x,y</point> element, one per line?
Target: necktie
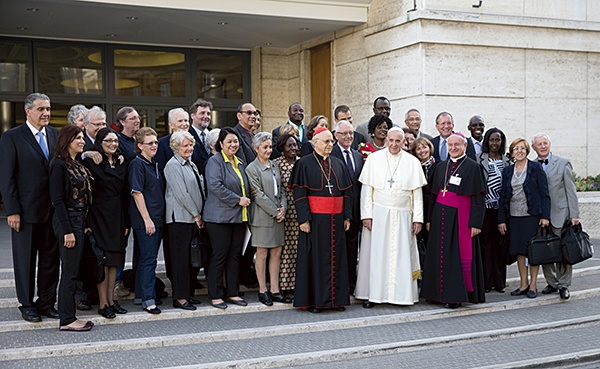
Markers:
<point>349,164</point>
<point>300,132</point>
<point>543,161</point>
<point>443,151</point>
<point>43,144</point>
<point>202,137</point>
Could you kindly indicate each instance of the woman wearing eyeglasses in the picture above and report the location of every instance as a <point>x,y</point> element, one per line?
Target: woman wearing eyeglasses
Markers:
<point>108,215</point>
<point>147,211</point>
<point>524,203</point>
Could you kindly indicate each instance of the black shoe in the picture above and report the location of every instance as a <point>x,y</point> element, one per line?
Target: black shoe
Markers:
<point>368,304</point>
<point>519,292</point>
<point>548,290</point>
<point>265,298</point>
<point>453,305</point>
<point>339,308</point>
<point>220,305</point>
<point>31,316</point>
<point>240,302</point>
<point>488,290</point>
<point>185,306</point>
<point>83,305</point>
<point>107,312</point>
<point>279,297</point>
<point>564,293</point>
<point>117,309</point>
<point>194,301</point>
<point>499,290</point>
<point>50,313</point>
<point>532,294</point>
<point>313,310</point>
<point>155,310</point>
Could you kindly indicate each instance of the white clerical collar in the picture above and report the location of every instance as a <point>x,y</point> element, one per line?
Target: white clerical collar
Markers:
<point>457,159</point>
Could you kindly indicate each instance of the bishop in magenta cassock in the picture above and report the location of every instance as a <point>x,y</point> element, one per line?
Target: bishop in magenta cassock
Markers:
<point>321,185</point>
<point>453,271</point>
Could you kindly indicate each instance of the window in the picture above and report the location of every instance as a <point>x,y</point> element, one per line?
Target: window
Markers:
<point>220,76</point>
<point>14,67</point>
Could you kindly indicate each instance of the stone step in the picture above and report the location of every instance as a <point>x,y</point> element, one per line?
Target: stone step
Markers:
<point>313,339</point>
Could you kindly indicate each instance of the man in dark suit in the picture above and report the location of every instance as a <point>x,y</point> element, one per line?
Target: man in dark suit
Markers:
<point>444,123</point>
<point>200,115</point>
<point>246,115</point>
<point>178,121</point>
<point>476,126</point>
<point>343,112</point>
<point>344,133</point>
<point>296,115</point>
<point>381,105</point>
<point>412,119</point>
<point>26,152</point>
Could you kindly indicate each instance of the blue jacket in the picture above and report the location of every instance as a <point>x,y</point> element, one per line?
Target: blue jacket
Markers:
<point>536,192</point>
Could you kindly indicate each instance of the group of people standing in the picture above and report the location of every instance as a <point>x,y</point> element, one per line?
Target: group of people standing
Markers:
<point>293,206</point>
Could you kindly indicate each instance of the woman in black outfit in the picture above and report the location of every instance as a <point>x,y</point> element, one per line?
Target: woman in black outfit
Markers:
<point>108,215</point>
<point>71,196</point>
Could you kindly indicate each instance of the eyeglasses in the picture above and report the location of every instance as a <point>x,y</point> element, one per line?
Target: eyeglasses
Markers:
<point>350,133</point>
<point>134,118</point>
<point>251,112</point>
<point>153,143</point>
<point>519,148</point>
<point>111,141</point>
<point>413,120</point>
<point>100,124</point>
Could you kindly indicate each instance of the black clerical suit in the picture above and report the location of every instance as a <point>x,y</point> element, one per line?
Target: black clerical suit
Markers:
<point>436,149</point>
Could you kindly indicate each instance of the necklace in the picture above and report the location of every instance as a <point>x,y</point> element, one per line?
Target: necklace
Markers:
<point>447,179</point>
<point>326,175</point>
<point>377,147</point>
<point>518,176</point>
<point>391,181</point>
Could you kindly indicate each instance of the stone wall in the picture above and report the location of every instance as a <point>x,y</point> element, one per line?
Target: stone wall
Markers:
<point>589,212</point>
<point>526,66</point>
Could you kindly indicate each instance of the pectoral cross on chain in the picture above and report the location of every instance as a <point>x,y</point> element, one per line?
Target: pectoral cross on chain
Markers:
<point>391,181</point>
<point>329,187</point>
<point>444,192</point>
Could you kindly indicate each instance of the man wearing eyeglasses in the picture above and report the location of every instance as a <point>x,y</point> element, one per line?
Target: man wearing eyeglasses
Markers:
<point>128,121</point>
<point>344,134</point>
<point>247,115</point>
<point>412,119</point>
<point>93,121</point>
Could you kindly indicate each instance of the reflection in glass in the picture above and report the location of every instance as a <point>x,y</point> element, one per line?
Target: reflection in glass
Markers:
<point>66,69</point>
<point>14,59</point>
<point>220,76</point>
<point>149,73</point>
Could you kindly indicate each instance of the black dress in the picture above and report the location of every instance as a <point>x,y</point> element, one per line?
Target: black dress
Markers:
<point>108,215</point>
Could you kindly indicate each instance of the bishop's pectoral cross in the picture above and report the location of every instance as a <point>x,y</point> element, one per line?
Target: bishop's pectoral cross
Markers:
<point>329,187</point>
<point>444,190</point>
<point>391,182</point>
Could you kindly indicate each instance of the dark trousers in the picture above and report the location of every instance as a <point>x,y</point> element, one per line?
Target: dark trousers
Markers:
<point>70,259</point>
<point>492,255</point>
<point>226,251</point>
<point>180,239</point>
<point>145,274</point>
<point>166,246</point>
<point>35,242</point>
<point>352,250</point>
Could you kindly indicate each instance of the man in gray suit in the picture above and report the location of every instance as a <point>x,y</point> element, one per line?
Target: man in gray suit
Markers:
<point>412,119</point>
<point>563,197</point>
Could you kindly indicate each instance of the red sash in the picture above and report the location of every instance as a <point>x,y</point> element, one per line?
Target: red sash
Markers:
<point>326,205</point>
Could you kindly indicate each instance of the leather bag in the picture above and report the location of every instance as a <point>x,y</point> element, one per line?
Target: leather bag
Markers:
<point>576,245</point>
<point>544,247</point>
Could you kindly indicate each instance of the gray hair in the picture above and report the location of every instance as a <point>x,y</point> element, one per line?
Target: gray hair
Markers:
<point>94,111</point>
<point>30,100</point>
<point>75,111</point>
<point>540,135</point>
<point>211,139</point>
<point>173,111</point>
<point>177,139</point>
<point>337,125</point>
<point>260,137</point>
<point>410,111</point>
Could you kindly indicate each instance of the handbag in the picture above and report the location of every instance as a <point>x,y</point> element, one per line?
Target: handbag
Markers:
<point>576,245</point>
<point>544,247</point>
<point>99,254</point>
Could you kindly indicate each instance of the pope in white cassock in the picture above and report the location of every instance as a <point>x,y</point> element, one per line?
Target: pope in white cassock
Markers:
<point>392,214</point>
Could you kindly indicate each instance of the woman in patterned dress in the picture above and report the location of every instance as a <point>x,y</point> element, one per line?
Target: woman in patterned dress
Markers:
<point>493,160</point>
<point>378,128</point>
<point>288,145</point>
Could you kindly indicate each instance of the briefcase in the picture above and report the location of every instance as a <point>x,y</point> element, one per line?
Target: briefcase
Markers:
<point>576,245</point>
<point>544,247</point>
